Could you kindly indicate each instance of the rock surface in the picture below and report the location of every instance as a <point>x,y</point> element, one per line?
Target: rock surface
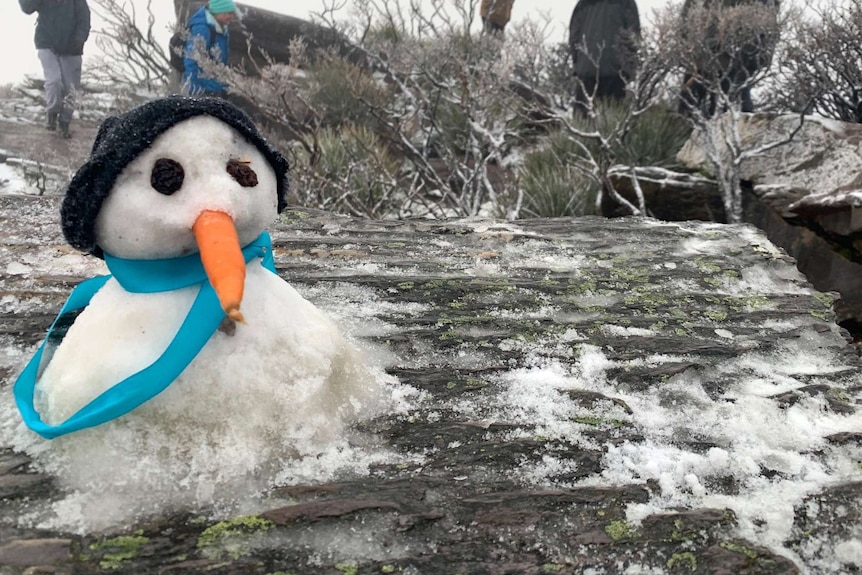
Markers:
<point>627,396</point>
<point>807,196</point>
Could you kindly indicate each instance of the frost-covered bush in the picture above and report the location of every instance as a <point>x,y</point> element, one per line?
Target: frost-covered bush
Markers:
<point>344,93</point>
<point>454,110</point>
<point>354,174</point>
<point>653,138</point>
<point>552,187</point>
<point>821,68</point>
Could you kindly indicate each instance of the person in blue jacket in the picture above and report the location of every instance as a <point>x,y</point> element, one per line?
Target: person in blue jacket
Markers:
<point>61,32</point>
<point>208,35</point>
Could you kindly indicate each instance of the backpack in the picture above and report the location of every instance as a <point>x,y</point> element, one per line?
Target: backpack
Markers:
<point>177,47</point>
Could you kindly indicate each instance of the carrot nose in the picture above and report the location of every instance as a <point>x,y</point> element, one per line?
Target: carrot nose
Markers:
<point>222,259</point>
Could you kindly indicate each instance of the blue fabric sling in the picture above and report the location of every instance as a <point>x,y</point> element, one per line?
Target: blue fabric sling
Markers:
<point>139,276</point>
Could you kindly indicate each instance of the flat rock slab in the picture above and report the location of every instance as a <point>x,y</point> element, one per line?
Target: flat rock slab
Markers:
<point>626,396</point>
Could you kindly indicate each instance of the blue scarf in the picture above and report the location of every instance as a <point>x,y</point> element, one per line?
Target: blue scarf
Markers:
<point>139,276</point>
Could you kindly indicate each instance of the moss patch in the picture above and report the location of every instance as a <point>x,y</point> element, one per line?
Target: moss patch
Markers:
<point>221,532</point>
<point>824,298</point>
<point>618,530</point>
<point>739,548</point>
<point>347,568</point>
<point>716,315</point>
<point>683,561</point>
<point>115,551</point>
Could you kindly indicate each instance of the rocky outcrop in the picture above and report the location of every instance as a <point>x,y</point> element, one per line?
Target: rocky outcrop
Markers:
<point>619,395</point>
<point>807,196</point>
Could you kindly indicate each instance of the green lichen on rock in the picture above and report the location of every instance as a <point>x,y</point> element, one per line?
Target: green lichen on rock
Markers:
<point>683,560</point>
<point>739,548</point>
<point>118,549</point>
<point>824,298</point>
<point>348,568</point>
<point>552,568</point>
<point>748,303</point>
<point>220,533</point>
<point>618,530</point>
<point>288,215</point>
<point>590,420</point>
<point>715,315</point>
<point>823,315</point>
<point>707,266</point>
<point>631,274</point>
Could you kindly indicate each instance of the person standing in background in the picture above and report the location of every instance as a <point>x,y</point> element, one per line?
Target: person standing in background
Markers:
<point>495,15</point>
<point>208,35</point>
<point>62,29</point>
<point>603,37</point>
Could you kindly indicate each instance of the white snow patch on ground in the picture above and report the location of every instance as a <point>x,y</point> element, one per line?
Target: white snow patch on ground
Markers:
<point>624,331</point>
<point>11,180</point>
<point>751,432</point>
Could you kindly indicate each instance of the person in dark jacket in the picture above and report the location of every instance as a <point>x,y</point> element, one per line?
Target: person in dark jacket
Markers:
<point>602,40</point>
<point>208,37</point>
<point>729,72</point>
<point>62,30</point>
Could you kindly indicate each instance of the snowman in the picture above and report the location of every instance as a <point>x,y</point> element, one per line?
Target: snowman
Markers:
<point>193,358</point>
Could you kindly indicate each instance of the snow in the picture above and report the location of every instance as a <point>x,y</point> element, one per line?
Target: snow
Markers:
<point>11,180</point>
<point>751,433</point>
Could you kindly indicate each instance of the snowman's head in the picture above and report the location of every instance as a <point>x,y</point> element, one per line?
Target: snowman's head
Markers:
<point>153,170</point>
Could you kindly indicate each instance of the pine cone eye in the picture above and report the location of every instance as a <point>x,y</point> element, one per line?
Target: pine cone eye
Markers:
<point>242,172</point>
<point>167,176</point>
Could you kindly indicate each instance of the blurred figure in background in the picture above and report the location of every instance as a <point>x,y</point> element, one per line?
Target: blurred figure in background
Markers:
<point>208,35</point>
<point>603,38</point>
<point>495,15</point>
<point>62,29</point>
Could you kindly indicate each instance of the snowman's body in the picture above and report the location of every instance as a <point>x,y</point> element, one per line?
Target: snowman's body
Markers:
<point>283,384</point>
<point>289,360</point>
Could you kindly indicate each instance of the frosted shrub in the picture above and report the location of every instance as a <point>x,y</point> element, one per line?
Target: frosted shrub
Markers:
<point>717,86</point>
<point>551,181</point>
<point>821,69</point>
<point>653,138</point>
<point>353,174</point>
<point>656,136</point>
<point>552,187</point>
<point>345,94</point>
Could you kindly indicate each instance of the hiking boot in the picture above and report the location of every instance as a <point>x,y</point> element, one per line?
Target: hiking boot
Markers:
<point>52,121</point>
<point>64,131</point>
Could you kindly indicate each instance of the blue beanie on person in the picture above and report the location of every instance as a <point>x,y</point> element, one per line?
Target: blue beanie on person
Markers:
<point>221,6</point>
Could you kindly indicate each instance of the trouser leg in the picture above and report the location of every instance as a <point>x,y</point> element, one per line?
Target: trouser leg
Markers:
<point>747,105</point>
<point>70,68</point>
<point>53,82</point>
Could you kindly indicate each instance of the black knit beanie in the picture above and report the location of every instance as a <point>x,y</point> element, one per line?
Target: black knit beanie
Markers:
<point>122,138</point>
